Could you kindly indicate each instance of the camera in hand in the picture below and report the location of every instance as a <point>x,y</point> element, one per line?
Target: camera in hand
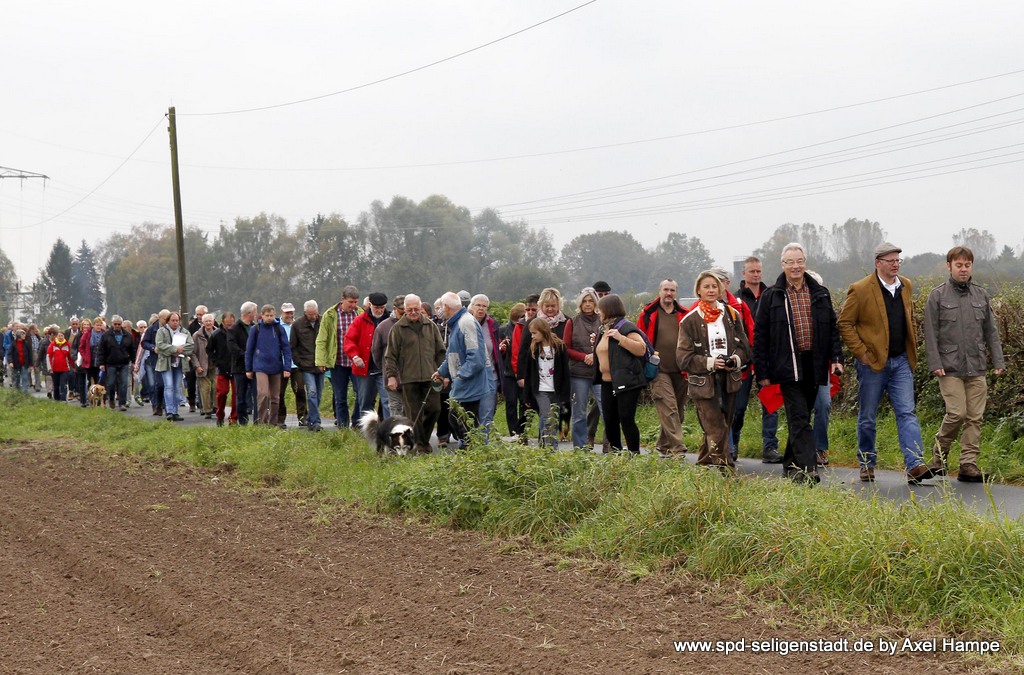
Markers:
<point>730,362</point>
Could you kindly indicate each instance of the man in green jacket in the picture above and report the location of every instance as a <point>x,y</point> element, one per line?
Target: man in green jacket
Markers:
<point>330,356</point>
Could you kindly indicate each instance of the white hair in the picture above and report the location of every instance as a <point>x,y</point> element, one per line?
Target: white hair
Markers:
<point>248,307</point>
<point>451,300</point>
<point>201,307</point>
<point>310,304</point>
<point>412,299</point>
<point>116,318</point>
<point>792,246</point>
<point>210,316</point>
<point>480,296</point>
<point>817,277</point>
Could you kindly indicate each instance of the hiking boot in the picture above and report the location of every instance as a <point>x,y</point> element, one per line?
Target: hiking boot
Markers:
<point>809,478</point>
<point>821,457</point>
<point>918,474</point>
<point>111,404</point>
<point>771,456</point>
<point>867,474</point>
<point>969,473</point>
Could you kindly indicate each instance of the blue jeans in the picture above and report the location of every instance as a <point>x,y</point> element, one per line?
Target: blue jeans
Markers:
<point>156,394</point>
<point>19,378</point>
<point>822,413</point>
<point>314,389</point>
<point>897,379</point>
<point>117,380</point>
<point>368,389</point>
<point>340,377</point>
<point>580,389</point>
<point>488,404</point>
<point>769,421</point>
<point>172,390</point>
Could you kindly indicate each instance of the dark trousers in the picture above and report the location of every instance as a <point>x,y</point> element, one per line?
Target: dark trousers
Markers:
<point>298,385</point>
<point>245,394</point>
<point>117,379</point>
<point>798,397</point>
<point>515,411</point>
<point>190,388</point>
<point>444,426</point>
<point>465,420</point>
<point>620,417</point>
<point>423,406</point>
<point>60,386</point>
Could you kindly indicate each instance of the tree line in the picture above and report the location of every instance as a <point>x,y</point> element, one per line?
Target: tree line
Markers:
<point>429,246</point>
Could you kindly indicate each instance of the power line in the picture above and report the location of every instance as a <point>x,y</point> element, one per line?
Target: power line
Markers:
<point>101,184</point>
<point>603,200</point>
<point>396,75</point>
<point>765,156</point>
<point>695,206</point>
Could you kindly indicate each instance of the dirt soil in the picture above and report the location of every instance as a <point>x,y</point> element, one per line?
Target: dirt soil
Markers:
<point>118,566</point>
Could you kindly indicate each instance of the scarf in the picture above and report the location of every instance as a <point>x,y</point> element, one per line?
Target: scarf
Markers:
<point>711,312</point>
<point>552,320</point>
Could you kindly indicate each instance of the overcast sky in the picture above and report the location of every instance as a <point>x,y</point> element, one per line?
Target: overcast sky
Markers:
<point>669,115</point>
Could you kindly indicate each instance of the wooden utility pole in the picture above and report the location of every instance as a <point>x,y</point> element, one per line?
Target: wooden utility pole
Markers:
<point>179,231</point>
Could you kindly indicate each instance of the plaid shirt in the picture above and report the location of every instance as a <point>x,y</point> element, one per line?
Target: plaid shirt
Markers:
<point>345,320</point>
<point>800,301</point>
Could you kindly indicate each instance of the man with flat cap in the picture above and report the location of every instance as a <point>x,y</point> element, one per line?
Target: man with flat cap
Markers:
<point>877,325</point>
<point>368,374</point>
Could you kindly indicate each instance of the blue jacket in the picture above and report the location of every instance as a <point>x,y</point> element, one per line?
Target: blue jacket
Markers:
<point>267,348</point>
<point>466,358</point>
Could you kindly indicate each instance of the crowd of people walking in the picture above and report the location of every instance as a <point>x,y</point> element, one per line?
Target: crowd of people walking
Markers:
<point>443,365</point>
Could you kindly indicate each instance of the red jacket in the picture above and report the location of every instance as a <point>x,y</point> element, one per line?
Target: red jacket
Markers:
<point>358,340</point>
<point>60,357</point>
<point>648,321</point>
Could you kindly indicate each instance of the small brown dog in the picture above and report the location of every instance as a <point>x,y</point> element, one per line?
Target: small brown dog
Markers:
<point>97,395</point>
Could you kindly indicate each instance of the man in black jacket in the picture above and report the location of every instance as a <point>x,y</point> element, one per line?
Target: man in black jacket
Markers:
<point>219,350</point>
<point>116,352</point>
<point>238,338</point>
<point>796,344</point>
<point>303,343</point>
<point>751,290</point>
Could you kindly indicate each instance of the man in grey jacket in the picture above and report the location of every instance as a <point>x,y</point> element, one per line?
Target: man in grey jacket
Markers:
<point>960,335</point>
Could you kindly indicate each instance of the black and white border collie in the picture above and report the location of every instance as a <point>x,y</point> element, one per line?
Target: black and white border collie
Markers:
<point>391,435</point>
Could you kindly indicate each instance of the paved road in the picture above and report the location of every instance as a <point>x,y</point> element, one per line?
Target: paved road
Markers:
<point>1007,499</point>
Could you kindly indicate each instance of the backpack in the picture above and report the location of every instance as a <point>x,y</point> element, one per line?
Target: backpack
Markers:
<point>652,362</point>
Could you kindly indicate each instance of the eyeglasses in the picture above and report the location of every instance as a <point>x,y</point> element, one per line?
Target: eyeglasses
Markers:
<point>791,262</point>
<point>891,261</point>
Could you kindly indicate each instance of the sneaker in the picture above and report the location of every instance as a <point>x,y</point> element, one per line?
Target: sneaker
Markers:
<point>123,408</point>
<point>314,427</point>
<point>867,474</point>
<point>771,456</point>
<point>138,401</point>
<point>822,457</point>
<point>177,418</point>
<point>191,408</point>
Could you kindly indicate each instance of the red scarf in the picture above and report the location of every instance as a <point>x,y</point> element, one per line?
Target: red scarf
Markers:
<point>710,311</point>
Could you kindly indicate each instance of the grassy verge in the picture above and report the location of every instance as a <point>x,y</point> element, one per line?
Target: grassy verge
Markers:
<point>825,551</point>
